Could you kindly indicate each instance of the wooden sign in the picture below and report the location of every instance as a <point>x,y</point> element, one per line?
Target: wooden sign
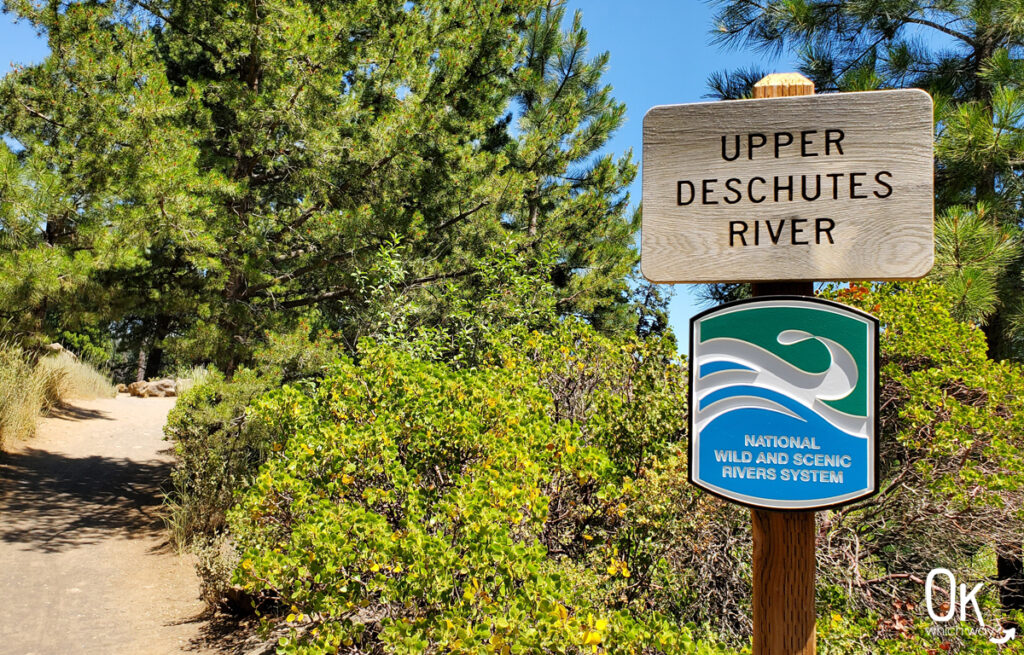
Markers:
<point>826,187</point>
<point>783,394</point>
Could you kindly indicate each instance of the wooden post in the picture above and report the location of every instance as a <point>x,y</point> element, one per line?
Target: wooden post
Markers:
<point>783,541</point>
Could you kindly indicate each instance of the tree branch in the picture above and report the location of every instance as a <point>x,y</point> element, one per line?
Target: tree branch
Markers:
<point>942,28</point>
<point>464,215</point>
<point>327,295</point>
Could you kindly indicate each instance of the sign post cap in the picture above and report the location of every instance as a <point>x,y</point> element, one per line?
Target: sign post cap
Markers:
<point>781,85</point>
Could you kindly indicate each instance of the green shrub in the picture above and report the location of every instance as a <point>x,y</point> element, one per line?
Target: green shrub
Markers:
<point>534,497</point>
<point>190,377</point>
<point>951,464</point>
<point>409,506</point>
<point>217,452</point>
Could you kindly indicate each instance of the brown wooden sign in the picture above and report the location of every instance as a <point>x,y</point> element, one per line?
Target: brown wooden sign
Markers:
<point>828,187</point>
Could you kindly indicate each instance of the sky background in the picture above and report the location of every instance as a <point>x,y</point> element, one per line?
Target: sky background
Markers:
<point>661,53</point>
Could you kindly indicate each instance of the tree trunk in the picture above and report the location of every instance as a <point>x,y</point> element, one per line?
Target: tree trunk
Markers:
<point>155,358</point>
<point>140,374</point>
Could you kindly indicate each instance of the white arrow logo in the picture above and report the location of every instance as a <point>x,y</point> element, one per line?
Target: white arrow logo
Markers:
<point>1007,636</point>
<point>967,598</point>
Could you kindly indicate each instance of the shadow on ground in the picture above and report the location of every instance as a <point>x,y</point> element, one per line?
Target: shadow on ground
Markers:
<point>231,634</point>
<point>53,502</point>
<point>72,413</point>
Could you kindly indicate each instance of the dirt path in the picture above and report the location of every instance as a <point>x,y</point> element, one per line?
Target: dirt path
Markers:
<point>84,562</point>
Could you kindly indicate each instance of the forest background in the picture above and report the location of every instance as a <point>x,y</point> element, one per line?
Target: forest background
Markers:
<point>435,406</point>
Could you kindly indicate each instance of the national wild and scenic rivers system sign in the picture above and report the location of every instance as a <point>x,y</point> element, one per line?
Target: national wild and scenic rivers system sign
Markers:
<point>783,403</point>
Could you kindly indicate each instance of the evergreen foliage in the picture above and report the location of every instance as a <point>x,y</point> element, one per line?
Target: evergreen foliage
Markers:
<point>211,170</point>
<point>967,56</point>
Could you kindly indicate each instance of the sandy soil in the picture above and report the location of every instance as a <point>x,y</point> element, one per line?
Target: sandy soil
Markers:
<point>85,566</point>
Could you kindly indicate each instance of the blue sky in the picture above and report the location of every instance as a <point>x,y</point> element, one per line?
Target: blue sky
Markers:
<point>661,53</point>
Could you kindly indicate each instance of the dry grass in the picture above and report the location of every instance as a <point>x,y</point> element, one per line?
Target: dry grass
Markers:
<point>19,400</point>
<point>193,377</point>
<point>27,389</point>
<point>62,377</point>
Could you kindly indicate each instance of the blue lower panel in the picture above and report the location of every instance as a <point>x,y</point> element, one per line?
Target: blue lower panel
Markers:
<point>768,456</point>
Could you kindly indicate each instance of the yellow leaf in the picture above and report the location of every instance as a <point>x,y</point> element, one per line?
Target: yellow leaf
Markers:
<point>375,567</point>
<point>592,638</point>
<point>601,625</point>
<point>561,612</point>
<point>289,618</point>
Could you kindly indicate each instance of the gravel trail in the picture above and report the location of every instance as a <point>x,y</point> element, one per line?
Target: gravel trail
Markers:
<point>85,566</point>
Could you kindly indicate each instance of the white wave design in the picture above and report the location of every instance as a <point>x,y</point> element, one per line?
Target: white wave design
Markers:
<point>726,405</point>
<point>774,373</point>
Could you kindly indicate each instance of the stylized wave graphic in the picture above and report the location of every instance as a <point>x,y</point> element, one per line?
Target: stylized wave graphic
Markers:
<point>738,375</point>
<point>725,433</point>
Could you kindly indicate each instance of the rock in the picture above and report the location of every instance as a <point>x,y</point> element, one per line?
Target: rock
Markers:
<point>57,349</point>
<point>135,388</point>
<point>164,388</point>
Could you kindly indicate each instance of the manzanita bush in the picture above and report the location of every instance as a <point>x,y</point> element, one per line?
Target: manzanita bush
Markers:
<point>533,499</point>
<point>410,507</point>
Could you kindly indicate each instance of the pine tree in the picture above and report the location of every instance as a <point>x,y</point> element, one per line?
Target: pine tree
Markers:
<point>576,197</point>
<point>235,168</point>
<point>965,53</point>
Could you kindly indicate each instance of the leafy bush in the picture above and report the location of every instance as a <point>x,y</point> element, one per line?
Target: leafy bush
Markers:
<point>217,452</point>
<point>952,463</point>
<point>411,507</point>
<point>191,377</point>
<point>533,497</point>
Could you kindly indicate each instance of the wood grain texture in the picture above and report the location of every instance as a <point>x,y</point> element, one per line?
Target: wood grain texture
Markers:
<point>873,238</point>
<point>783,558</point>
<point>783,85</point>
<point>783,581</point>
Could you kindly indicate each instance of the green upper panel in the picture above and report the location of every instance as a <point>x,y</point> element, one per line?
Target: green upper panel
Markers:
<point>761,326</point>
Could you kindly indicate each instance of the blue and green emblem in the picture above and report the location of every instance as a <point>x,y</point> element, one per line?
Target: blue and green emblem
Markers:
<point>783,403</point>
